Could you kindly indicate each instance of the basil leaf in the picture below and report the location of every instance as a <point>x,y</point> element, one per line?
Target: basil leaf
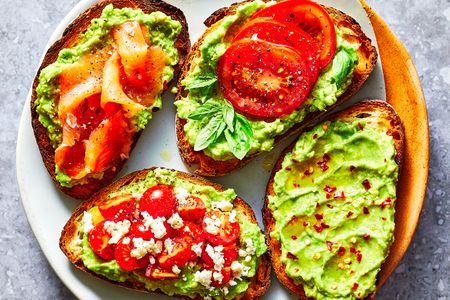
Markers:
<point>210,133</point>
<point>202,81</point>
<point>228,115</point>
<point>205,111</point>
<point>239,141</point>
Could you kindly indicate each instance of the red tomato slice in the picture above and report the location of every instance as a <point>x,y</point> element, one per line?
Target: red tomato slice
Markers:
<point>158,201</point>
<point>194,235</point>
<point>226,273</point>
<point>179,255</point>
<point>158,273</point>
<point>227,232</point>
<point>192,209</point>
<point>138,229</point>
<point>263,79</point>
<point>118,208</point>
<point>229,255</point>
<point>310,17</point>
<point>98,239</point>
<point>286,34</point>
<point>122,254</point>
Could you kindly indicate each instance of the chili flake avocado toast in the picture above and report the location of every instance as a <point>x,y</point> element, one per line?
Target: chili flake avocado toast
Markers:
<point>262,71</point>
<point>99,85</point>
<point>330,203</point>
<point>160,230</point>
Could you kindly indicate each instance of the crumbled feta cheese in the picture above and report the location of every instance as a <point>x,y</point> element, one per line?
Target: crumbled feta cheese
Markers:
<point>168,244</point>
<point>248,258</point>
<point>232,283</point>
<point>181,194</point>
<point>218,276</point>
<point>176,270</point>
<point>242,253</point>
<point>203,277</point>
<point>186,229</point>
<point>232,216</point>
<point>87,222</point>
<point>212,224</point>
<point>222,205</point>
<point>156,225</point>
<point>136,195</point>
<point>216,256</point>
<point>158,247</point>
<point>126,240</point>
<point>151,260</point>
<point>238,269</point>
<point>175,221</point>
<point>142,247</point>
<point>250,249</point>
<point>197,249</point>
<point>117,230</point>
<point>157,172</point>
<point>225,290</point>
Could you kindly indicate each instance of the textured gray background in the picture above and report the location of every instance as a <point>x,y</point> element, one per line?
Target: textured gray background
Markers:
<point>424,27</point>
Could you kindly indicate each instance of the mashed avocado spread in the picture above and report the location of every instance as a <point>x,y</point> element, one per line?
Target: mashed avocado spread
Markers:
<point>332,82</point>
<point>333,204</point>
<point>163,33</point>
<point>185,285</point>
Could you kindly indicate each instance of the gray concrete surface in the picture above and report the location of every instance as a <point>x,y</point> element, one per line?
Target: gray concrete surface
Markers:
<point>424,27</point>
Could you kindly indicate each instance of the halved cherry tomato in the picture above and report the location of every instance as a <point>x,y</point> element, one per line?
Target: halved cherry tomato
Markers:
<point>158,201</point>
<point>226,273</point>
<point>118,208</point>
<point>227,232</point>
<point>159,273</point>
<point>263,79</point>
<point>194,235</point>
<point>286,34</point>
<point>98,239</point>
<point>179,255</point>
<point>310,17</point>
<point>192,209</point>
<point>229,255</point>
<point>122,254</point>
<point>138,229</point>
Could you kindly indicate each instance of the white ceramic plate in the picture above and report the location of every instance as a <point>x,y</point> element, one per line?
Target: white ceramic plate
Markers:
<point>48,209</point>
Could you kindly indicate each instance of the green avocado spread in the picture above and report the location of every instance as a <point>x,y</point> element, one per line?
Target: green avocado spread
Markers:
<point>332,82</point>
<point>163,33</point>
<point>333,206</point>
<point>185,285</point>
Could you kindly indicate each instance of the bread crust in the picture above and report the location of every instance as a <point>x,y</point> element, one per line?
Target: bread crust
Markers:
<point>207,166</point>
<point>68,39</point>
<point>259,283</point>
<point>371,111</point>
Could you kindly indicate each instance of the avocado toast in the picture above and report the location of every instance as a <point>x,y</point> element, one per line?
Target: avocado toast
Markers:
<point>329,207</point>
<point>160,230</point>
<point>201,93</point>
<point>99,85</point>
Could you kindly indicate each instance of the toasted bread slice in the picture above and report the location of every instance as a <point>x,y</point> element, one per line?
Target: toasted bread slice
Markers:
<point>206,165</point>
<point>68,39</point>
<point>376,114</point>
<point>70,234</point>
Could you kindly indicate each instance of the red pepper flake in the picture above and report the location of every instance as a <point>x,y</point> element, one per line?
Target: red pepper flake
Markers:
<point>360,126</point>
<point>317,205</point>
<point>296,270</point>
<point>383,218</point>
<point>328,195</point>
<point>329,245</point>
<point>318,227</point>
<point>353,250</point>
<point>294,237</point>
<point>323,164</point>
<point>349,214</point>
<point>359,256</point>
<point>325,226</point>
<point>291,256</point>
<point>355,287</point>
<point>315,136</point>
<point>352,168</point>
<point>308,172</point>
<point>165,85</point>
<point>387,202</point>
<point>305,224</point>
<point>318,216</point>
<point>341,251</point>
<point>326,157</point>
<point>288,168</point>
<point>329,189</point>
<point>296,185</point>
<point>366,210</point>
<point>330,206</point>
<point>339,194</point>
<point>366,184</point>
<point>366,236</point>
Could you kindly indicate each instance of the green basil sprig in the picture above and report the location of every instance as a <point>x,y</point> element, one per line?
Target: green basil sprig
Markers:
<point>221,119</point>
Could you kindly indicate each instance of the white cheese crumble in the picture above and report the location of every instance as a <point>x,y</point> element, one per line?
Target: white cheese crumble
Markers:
<point>175,221</point>
<point>222,205</point>
<point>218,276</point>
<point>181,194</point>
<point>87,222</point>
<point>225,290</point>
<point>168,244</point>
<point>239,269</point>
<point>197,249</point>
<point>152,260</point>
<point>232,216</point>
<point>157,173</point>
<point>126,241</point>
<point>212,224</point>
<point>216,256</point>
<point>117,230</point>
<point>232,283</point>
<point>156,225</point>
<point>142,247</point>
<point>176,270</point>
<point>203,277</point>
